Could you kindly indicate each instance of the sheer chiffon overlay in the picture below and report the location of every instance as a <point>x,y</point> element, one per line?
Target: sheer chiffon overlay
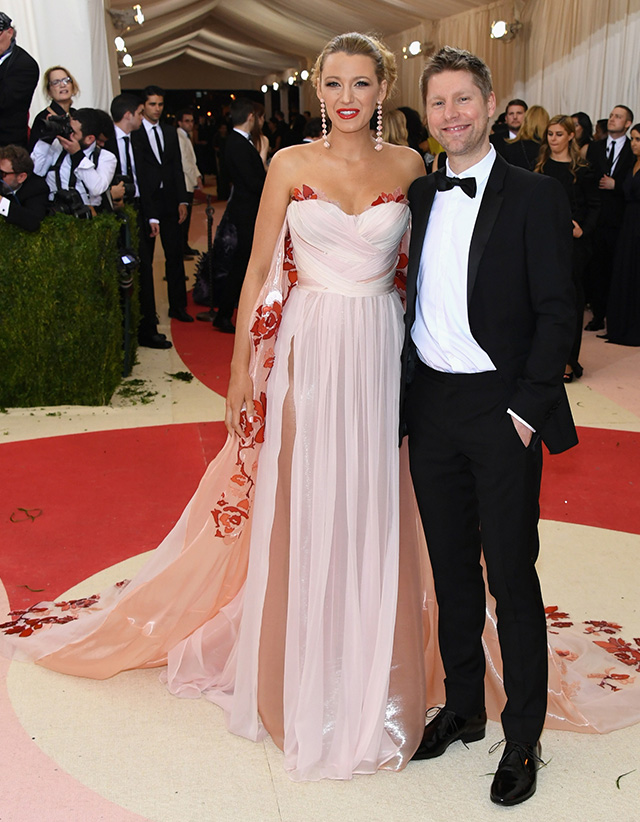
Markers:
<point>295,589</point>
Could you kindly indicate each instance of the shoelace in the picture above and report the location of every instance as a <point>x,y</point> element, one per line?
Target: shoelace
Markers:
<point>522,750</point>
<point>435,711</point>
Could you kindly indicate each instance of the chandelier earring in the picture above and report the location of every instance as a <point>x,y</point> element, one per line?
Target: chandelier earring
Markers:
<point>378,145</point>
<point>323,115</point>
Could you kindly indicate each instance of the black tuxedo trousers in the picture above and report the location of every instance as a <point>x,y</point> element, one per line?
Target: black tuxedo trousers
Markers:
<point>171,237</point>
<point>477,488</point>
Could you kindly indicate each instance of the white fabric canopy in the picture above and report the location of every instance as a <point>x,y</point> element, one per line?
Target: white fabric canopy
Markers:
<point>261,38</point>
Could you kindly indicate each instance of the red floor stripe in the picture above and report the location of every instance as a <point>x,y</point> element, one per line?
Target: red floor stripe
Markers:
<point>205,351</point>
<point>597,483</point>
<point>104,497</point>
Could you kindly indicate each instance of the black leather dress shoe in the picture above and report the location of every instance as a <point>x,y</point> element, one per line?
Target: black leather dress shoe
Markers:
<point>594,325</point>
<point>190,252</point>
<point>447,727</point>
<point>224,324</point>
<point>155,341</point>
<point>206,316</point>
<point>181,314</point>
<point>515,779</point>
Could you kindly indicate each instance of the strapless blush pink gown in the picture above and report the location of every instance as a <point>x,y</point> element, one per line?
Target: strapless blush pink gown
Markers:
<point>295,589</point>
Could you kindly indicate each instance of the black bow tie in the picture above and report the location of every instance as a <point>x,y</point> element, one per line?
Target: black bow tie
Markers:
<point>467,184</point>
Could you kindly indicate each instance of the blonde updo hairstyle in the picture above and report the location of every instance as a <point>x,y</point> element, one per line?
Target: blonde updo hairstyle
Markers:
<point>355,43</point>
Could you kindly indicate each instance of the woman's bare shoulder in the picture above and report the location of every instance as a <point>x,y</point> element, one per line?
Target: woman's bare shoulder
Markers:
<point>407,162</point>
<point>291,164</point>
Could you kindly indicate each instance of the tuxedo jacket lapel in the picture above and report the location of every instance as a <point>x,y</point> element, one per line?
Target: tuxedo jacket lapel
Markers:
<point>487,216</point>
<point>420,209</point>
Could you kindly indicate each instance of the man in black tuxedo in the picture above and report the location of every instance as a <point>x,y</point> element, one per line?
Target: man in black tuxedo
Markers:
<point>513,119</point>
<point>19,74</point>
<point>163,194</point>
<point>247,173</point>
<point>490,313</point>
<point>23,196</point>
<point>126,111</point>
<point>612,160</point>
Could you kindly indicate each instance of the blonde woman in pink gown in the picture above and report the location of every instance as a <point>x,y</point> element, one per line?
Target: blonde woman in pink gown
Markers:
<point>295,591</point>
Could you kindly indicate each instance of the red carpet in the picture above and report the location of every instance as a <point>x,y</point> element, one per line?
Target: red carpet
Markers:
<point>205,351</point>
<point>597,483</point>
<point>104,497</point>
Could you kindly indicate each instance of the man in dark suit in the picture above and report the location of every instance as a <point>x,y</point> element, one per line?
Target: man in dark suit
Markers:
<point>126,111</point>
<point>23,196</point>
<point>490,313</point>
<point>513,119</point>
<point>163,194</point>
<point>612,160</point>
<point>247,173</point>
<point>19,74</point>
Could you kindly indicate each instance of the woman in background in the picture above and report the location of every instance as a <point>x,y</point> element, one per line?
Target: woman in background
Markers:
<point>61,87</point>
<point>258,137</point>
<point>560,158</point>
<point>394,128</point>
<point>523,150</point>
<point>584,131</point>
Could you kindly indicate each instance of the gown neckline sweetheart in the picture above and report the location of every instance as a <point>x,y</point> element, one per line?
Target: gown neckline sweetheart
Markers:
<point>308,192</point>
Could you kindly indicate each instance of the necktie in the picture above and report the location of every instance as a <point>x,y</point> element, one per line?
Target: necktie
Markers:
<point>467,184</point>
<point>158,143</point>
<point>610,157</point>
<point>128,164</point>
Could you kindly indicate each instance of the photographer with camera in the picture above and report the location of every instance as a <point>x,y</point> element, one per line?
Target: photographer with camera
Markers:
<point>77,170</point>
<point>60,86</point>
<point>23,196</point>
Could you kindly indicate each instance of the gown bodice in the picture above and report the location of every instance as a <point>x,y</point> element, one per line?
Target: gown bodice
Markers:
<point>350,254</point>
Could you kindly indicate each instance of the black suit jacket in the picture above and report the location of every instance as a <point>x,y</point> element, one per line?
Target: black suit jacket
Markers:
<point>18,78</point>
<point>247,173</point>
<point>520,298</point>
<point>612,202</point>
<point>29,204</point>
<point>161,184</point>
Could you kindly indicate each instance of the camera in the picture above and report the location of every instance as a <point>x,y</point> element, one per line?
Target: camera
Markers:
<point>69,201</point>
<point>57,125</point>
<point>129,186</point>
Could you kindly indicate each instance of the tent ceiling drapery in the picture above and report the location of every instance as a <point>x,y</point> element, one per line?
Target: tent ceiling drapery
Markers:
<point>261,38</point>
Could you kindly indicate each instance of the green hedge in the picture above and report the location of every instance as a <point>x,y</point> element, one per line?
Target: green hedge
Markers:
<point>60,313</point>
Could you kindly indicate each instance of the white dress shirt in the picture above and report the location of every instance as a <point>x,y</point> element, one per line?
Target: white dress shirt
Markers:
<point>152,139</point>
<point>618,143</point>
<point>122,151</point>
<point>91,180</point>
<point>441,329</point>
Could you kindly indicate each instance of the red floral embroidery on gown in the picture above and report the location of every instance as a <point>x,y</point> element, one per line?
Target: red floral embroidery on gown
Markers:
<point>294,591</point>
